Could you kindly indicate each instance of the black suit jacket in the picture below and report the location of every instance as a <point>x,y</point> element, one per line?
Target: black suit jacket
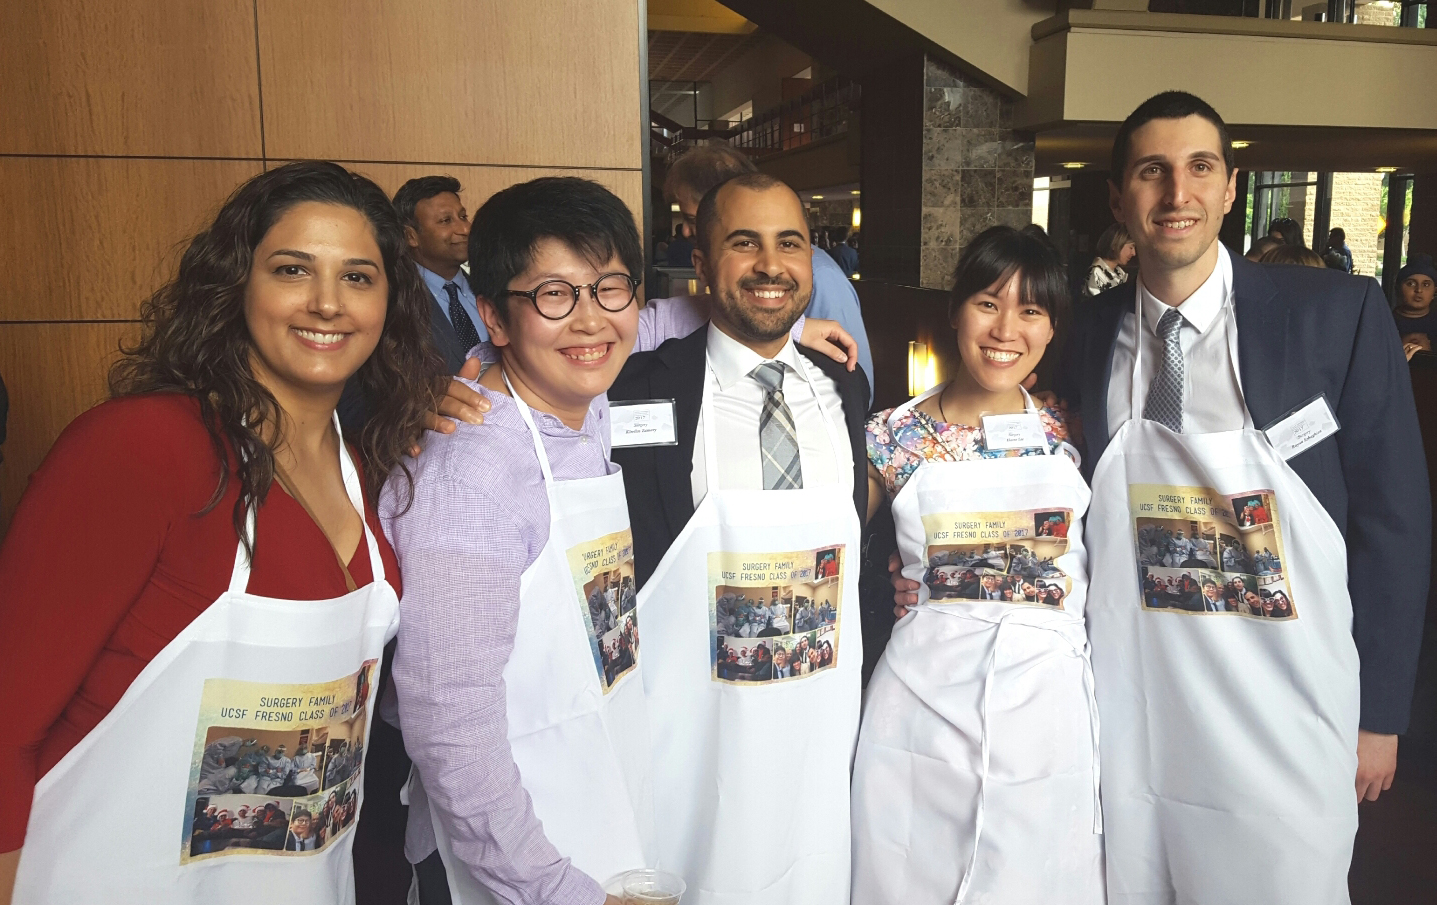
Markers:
<point>657,479</point>
<point>355,410</point>
<point>1304,331</point>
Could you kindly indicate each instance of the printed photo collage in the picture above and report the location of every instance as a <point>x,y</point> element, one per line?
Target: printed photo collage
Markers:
<point>1202,552</point>
<point>279,790</point>
<point>603,572</point>
<point>775,617</point>
<point>1015,562</point>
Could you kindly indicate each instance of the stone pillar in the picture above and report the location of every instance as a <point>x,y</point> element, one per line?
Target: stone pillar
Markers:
<point>977,172</point>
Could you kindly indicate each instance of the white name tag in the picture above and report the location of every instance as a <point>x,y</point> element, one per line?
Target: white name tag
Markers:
<point>1304,428</point>
<point>643,422</point>
<point>1024,431</point>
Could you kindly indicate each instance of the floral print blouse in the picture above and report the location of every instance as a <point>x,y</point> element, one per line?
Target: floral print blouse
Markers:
<point>897,451</point>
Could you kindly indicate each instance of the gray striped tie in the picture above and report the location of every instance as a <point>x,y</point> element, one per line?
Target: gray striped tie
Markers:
<point>1165,396</point>
<point>776,435</point>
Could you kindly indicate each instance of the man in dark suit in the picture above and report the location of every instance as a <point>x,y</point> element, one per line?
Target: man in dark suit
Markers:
<point>436,226</point>
<point>658,478</point>
<point>1299,333</point>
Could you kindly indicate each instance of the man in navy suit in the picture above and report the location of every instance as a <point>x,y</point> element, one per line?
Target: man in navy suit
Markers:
<point>1299,332</point>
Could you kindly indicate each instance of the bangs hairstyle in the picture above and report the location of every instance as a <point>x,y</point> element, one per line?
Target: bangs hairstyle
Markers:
<point>583,215</point>
<point>999,251</point>
<point>195,341</point>
<point>1168,105</point>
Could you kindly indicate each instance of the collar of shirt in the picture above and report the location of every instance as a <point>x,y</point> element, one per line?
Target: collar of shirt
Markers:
<point>436,283</point>
<point>732,361</point>
<point>1201,308</point>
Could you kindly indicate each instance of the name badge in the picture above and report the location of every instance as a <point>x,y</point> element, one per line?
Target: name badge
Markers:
<point>1303,428</point>
<point>1023,431</point>
<point>643,422</point>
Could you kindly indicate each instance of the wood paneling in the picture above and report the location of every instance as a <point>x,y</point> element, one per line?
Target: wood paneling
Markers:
<point>53,372</point>
<point>543,82</point>
<point>481,182</point>
<point>90,238</point>
<point>162,77</point>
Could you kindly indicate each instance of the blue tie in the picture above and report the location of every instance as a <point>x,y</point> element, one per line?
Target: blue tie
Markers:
<point>463,326</point>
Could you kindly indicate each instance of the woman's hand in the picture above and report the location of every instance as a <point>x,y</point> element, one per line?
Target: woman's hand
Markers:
<point>460,403</point>
<point>831,339</point>
<point>905,590</point>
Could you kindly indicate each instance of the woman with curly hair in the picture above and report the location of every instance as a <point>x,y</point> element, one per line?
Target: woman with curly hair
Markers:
<point>197,562</point>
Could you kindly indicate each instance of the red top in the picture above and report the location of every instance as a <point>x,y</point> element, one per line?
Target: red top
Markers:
<point>106,562</point>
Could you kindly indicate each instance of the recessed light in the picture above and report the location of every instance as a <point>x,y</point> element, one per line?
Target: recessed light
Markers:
<point>674,208</point>
<point>855,192</point>
<point>1386,169</point>
<point>1239,145</point>
<point>817,197</point>
<point>1073,165</point>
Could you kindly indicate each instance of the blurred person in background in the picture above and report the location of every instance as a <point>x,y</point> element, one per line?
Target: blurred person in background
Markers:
<point>1292,254</point>
<point>1115,252</point>
<point>1341,255</point>
<point>1287,231</point>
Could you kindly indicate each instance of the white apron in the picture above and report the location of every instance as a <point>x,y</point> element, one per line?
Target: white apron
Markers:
<point>752,770</point>
<point>581,743</point>
<point>1229,739</point>
<point>976,776</point>
<point>121,818</point>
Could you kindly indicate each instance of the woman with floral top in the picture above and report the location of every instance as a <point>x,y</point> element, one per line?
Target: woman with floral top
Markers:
<point>976,775</point>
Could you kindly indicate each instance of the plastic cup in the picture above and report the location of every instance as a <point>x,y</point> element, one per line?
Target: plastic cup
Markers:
<point>652,887</point>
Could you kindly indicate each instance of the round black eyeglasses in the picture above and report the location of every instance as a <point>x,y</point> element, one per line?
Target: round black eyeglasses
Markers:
<point>556,299</point>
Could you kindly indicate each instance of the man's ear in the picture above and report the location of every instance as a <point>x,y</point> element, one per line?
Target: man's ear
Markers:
<point>489,314</point>
<point>1231,194</point>
<point>1115,202</point>
<point>701,262</point>
<point>411,236</point>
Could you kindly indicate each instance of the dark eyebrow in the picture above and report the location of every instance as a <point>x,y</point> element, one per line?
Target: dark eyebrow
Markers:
<point>360,262</point>
<point>793,232</point>
<point>290,252</point>
<point>742,234</point>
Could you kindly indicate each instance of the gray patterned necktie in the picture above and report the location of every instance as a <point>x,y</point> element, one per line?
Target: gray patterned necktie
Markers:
<point>777,438</point>
<point>1165,396</point>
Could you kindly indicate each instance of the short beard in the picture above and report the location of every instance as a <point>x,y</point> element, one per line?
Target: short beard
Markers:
<point>762,325</point>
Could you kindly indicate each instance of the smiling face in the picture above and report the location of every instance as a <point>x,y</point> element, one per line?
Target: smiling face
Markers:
<point>560,366</point>
<point>1000,338</point>
<point>440,240</point>
<point>315,300</point>
<point>1172,198</point>
<point>758,265</point>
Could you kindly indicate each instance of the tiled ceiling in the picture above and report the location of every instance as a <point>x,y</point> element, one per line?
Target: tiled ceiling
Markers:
<point>687,56</point>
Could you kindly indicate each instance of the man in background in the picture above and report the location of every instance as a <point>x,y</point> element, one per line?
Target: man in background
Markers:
<point>436,226</point>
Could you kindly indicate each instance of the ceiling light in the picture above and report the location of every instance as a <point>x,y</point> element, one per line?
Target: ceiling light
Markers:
<point>674,208</point>
<point>1239,145</point>
<point>854,192</point>
<point>1073,165</point>
<point>1386,169</point>
<point>817,197</point>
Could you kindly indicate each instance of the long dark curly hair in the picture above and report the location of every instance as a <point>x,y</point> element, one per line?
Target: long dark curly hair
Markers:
<point>195,340</point>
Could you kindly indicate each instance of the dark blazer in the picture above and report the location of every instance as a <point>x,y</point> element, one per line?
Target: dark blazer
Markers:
<point>657,479</point>
<point>1304,331</point>
<point>355,410</point>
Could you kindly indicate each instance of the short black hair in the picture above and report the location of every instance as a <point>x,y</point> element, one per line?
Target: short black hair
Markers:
<point>1168,105</point>
<point>705,167</point>
<point>999,251</point>
<point>1337,233</point>
<point>707,218</point>
<point>585,216</point>
<point>421,189</point>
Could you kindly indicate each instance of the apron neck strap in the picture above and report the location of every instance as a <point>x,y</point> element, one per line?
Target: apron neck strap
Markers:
<point>534,434</point>
<point>239,575</point>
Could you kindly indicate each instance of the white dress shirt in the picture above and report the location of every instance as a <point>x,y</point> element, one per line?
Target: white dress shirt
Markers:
<point>1212,394</point>
<point>738,403</point>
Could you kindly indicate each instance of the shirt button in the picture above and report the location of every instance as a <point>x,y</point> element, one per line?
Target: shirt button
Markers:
<point>583,439</point>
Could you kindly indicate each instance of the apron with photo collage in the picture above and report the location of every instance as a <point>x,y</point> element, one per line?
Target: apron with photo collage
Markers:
<point>209,725</point>
<point>976,778</point>
<point>1227,676</point>
<point>578,724</point>
<point>752,671</point>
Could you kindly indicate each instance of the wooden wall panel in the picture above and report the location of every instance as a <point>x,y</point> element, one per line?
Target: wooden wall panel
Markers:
<point>53,372</point>
<point>542,82</point>
<point>160,77</point>
<point>90,238</point>
<point>481,182</point>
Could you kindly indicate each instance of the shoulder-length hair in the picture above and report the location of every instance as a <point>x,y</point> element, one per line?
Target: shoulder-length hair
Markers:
<point>195,340</point>
<point>997,253</point>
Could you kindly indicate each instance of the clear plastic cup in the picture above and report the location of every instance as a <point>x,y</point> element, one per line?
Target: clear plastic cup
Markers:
<point>652,887</point>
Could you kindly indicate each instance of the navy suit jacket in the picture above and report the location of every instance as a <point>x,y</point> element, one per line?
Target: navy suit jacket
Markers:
<point>1302,331</point>
<point>355,410</point>
<point>658,479</point>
